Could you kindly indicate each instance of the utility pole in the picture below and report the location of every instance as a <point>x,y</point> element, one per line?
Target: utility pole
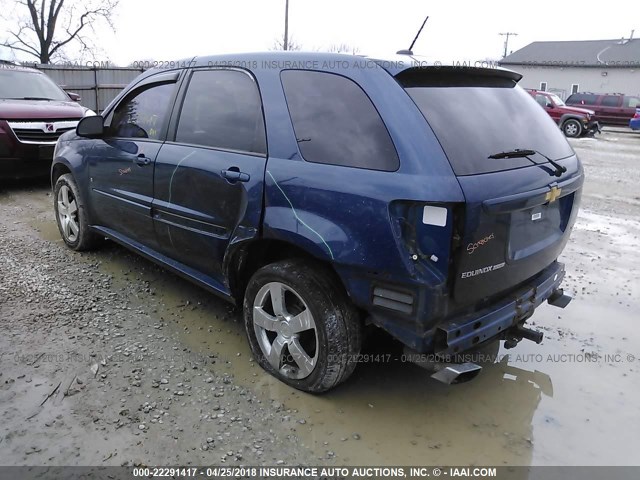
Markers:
<point>506,41</point>
<point>286,26</point>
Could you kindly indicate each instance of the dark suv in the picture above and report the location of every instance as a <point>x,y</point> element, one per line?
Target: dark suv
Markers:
<point>611,108</point>
<point>34,112</point>
<point>573,121</point>
<point>327,194</point>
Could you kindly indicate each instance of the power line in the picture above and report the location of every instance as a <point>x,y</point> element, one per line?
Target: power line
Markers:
<point>506,41</point>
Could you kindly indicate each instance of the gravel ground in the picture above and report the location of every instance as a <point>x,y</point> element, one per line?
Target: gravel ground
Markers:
<point>106,359</point>
<point>91,375</point>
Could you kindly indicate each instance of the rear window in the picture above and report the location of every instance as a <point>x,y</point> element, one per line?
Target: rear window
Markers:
<point>474,117</point>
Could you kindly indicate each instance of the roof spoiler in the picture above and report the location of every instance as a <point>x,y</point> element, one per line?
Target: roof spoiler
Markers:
<point>456,76</point>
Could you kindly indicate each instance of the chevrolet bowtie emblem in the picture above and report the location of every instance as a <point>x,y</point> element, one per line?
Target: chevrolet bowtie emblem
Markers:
<point>553,194</point>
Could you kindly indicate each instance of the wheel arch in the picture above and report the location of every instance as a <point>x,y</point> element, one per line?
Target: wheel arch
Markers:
<point>571,116</point>
<point>244,259</point>
<point>58,169</point>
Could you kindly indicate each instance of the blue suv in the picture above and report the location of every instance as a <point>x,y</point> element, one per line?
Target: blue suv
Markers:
<point>328,194</point>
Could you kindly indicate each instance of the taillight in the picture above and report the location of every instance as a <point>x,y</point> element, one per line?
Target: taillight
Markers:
<point>637,115</point>
<point>425,231</point>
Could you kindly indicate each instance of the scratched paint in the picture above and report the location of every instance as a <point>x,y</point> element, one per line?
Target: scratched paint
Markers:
<point>295,214</point>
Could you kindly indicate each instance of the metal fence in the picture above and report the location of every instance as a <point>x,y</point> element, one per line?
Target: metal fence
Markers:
<point>96,85</point>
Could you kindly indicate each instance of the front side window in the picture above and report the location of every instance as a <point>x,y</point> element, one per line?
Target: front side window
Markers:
<point>582,99</point>
<point>543,100</point>
<point>336,123</point>
<point>142,114</point>
<point>222,109</point>
<point>557,100</point>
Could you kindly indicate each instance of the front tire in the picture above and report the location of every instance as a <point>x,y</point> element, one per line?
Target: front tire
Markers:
<point>301,326</point>
<point>572,128</point>
<point>71,215</point>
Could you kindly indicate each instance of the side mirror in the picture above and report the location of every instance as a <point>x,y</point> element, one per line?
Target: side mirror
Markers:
<point>91,127</point>
<point>74,96</point>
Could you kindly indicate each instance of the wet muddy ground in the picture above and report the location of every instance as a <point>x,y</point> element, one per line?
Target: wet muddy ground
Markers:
<point>107,359</point>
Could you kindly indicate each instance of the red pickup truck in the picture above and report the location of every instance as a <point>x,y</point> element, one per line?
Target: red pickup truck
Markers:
<point>573,121</point>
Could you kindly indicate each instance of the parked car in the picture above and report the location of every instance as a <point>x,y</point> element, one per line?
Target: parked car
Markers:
<point>573,121</point>
<point>610,108</point>
<point>634,123</point>
<point>34,112</point>
<point>323,196</point>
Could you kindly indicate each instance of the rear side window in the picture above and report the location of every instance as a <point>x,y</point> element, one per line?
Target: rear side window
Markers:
<point>610,101</point>
<point>478,116</point>
<point>222,109</point>
<point>336,123</point>
<point>143,114</point>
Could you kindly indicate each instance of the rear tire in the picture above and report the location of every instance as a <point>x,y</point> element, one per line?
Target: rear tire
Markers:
<point>301,326</point>
<point>572,128</point>
<point>71,215</point>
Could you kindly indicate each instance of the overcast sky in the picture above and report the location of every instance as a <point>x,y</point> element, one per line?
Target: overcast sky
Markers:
<point>163,30</point>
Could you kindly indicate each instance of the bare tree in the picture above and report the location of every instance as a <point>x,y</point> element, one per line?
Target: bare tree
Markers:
<point>279,44</point>
<point>343,48</point>
<point>45,27</point>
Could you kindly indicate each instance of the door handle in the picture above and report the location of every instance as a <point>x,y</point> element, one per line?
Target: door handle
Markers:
<point>234,174</point>
<point>142,160</point>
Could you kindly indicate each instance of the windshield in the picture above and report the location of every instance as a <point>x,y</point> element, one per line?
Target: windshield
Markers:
<point>25,84</point>
<point>557,100</point>
<point>474,122</point>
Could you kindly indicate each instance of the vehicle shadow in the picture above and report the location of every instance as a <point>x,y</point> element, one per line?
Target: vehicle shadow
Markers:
<point>25,185</point>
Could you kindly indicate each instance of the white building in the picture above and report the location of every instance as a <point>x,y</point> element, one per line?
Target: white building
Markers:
<point>598,66</point>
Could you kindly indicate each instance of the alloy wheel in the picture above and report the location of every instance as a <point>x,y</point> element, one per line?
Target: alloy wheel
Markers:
<point>68,214</point>
<point>285,330</point>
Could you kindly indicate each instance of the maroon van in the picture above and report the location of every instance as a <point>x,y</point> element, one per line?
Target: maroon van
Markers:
<point>611,108</point>
<point>34,112</point>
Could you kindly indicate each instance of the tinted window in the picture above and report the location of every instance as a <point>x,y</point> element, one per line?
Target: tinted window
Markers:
<point>143,114</point>
<point>542,100</point>
<point>222,109</point>
<point>582,99</point>
<point>475,122</point>
<point>21,84</point>
<point>610,101</point>
<point>631,102</point>
<point>336,123</point>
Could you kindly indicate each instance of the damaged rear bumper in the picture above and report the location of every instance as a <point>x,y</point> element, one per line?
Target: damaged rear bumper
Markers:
<point>503,319</point>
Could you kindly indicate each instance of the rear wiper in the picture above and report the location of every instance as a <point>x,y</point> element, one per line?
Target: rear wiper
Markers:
<point>526,153</point>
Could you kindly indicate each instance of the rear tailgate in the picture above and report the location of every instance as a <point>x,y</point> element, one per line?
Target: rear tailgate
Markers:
<point>518,211</point>
<point>510,234</point>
